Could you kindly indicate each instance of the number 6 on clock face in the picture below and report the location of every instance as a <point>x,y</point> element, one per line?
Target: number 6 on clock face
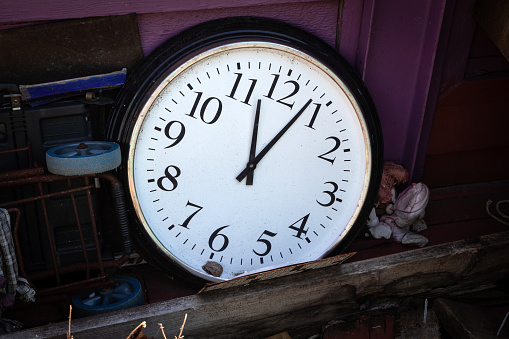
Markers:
<point>248,143</point>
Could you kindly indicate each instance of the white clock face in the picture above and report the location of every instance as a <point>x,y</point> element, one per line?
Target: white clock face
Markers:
<point>188,171</point>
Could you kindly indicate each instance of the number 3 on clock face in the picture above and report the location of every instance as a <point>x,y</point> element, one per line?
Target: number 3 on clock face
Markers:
<point>248,145</point>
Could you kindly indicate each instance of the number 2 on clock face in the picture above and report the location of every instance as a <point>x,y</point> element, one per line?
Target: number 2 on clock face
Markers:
<point>192,149</point>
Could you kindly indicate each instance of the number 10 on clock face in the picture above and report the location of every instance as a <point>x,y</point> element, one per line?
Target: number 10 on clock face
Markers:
<point>252,155</point>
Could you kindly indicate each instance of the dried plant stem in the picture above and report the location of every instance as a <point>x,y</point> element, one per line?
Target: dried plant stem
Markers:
<point>137,330</point>
<point>182,328</point>
<point>162,330</point>
<point>69,332</point>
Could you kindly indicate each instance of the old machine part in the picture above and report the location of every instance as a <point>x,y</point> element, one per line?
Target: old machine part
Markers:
<point>83,158</point>
<point>89,263</point>
<point>124,293</point>
<point>65,227</point>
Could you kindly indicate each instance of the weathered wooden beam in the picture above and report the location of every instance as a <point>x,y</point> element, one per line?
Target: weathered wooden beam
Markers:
<point>259,307</point>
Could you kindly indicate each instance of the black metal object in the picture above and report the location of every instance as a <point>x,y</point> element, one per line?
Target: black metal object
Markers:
<point>59,221</point>
<point>89,264</point>
<point>26,134</point>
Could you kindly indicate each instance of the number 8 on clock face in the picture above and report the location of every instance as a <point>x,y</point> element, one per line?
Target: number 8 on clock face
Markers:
<point>248,145</point>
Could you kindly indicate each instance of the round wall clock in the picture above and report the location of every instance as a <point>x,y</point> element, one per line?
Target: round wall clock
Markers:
<point>248,144</point>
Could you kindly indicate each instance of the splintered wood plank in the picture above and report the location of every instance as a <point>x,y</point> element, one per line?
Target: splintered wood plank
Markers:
<point>310,298</point>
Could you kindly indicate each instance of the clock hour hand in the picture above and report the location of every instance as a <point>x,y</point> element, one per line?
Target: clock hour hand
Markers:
<point>252,152</point>
<point>251,165</point>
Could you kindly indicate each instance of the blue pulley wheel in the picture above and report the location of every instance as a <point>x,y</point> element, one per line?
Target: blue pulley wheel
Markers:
<point>83,158</point>
<point>126,292</point>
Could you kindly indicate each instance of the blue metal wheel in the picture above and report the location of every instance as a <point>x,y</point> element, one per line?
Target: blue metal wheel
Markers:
<point>125,293</point>
<point>83,158</point>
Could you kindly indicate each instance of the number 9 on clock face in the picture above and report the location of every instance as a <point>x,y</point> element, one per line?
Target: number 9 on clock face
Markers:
<point>246,151</point>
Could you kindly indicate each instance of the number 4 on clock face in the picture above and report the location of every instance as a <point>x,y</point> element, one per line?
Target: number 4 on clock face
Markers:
<point>253,145</point>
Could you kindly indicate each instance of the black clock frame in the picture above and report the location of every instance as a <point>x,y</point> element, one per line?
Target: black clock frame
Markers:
<point>152,70</point>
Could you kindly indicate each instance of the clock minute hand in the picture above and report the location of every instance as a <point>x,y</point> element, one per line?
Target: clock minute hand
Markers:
<point>251,165</point>
<point>252,152</point>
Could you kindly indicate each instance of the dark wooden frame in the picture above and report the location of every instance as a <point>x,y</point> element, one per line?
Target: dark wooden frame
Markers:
<point>308,300</point>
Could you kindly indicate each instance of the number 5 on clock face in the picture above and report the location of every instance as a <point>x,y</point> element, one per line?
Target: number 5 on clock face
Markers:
<point>252,154</point>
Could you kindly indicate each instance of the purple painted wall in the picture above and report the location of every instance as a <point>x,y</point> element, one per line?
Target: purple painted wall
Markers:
<point>391,43</point>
